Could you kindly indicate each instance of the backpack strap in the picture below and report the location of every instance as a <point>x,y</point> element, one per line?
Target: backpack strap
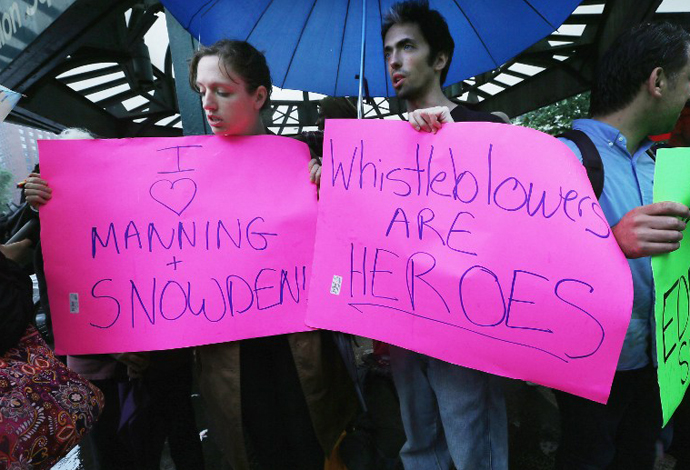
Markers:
<point>591,159</point>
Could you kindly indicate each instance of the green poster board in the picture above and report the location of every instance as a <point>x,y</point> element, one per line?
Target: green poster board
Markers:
<point>672,286</point>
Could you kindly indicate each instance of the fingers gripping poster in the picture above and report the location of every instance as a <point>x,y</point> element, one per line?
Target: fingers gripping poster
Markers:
<point>482,245</point>
<point>171,242</point>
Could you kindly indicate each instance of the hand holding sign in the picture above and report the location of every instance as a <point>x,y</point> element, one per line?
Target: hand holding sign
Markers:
<point>37,191</point>
<point>430,119</point>
<point>652,229</point>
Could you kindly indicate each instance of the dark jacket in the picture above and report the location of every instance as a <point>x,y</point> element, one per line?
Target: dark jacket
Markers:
<point>327,388</point>
<point>16,303</point>
<point>463,114</point>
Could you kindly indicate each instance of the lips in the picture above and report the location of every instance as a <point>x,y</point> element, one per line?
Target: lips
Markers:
<point>398,80</point>
<point>214,121</point>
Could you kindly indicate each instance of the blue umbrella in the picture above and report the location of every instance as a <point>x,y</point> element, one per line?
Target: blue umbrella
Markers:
<point>318,45</point>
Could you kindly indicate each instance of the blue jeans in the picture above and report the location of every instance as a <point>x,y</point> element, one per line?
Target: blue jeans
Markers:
<point>451,414</point>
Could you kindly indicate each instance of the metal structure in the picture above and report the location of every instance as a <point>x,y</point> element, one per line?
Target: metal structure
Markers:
<point>87,41</point>
<point>85,63</point>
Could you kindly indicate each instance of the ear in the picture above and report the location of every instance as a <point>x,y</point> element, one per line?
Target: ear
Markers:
<point>656,82</point>
<point>441,61</point>
<point>260,97</point>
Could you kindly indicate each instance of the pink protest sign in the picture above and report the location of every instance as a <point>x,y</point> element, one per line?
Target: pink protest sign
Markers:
<point>173,242</point>
<point>482,245</point>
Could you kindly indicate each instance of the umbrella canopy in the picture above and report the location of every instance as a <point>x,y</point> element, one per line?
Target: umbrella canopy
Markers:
<point>315,45</point>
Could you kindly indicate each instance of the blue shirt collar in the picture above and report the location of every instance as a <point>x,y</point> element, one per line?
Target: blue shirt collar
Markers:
<point>609,134</point>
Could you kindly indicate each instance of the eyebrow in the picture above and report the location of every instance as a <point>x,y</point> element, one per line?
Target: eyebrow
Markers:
<point>401,42</point>
<point>214,84</point>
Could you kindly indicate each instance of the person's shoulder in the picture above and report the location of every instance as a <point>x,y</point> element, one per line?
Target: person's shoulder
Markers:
<point>587,127</point>
<point>462,114</point>
<point>572,146</point>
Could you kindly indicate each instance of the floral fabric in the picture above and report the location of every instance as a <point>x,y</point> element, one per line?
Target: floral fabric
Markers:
<point>45,408</point>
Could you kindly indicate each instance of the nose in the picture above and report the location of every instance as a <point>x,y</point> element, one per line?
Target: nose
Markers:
<point>394,60</point>
<point>207,101</point>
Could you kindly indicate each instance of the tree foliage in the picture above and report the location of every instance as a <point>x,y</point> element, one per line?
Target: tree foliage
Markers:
<point>558,117</point>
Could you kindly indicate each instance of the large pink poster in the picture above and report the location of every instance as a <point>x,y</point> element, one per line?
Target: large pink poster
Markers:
<point>171,242</point>
<point>482,245</point>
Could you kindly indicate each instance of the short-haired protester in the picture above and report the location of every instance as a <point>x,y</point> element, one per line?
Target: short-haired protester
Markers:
<point>641,86</point>
<point>452,415</point>
<point>279,402</point>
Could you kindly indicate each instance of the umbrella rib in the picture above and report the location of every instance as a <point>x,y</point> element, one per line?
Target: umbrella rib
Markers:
<point>385,68</point>
<point>210,8</point>
<point>301,33</point>
<point>342,46</point>
<point>191,19</point>
<point>540,15</point>
<point>476,32</point>
<point>256,23</point>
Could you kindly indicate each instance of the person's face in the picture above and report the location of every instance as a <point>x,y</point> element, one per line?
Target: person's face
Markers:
<point>677,95</point>
<point>230,109</point>
<point>407,57</point>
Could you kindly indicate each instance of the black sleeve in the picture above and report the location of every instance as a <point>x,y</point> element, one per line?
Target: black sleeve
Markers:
<point>16,303</point>
<point>462,114</point>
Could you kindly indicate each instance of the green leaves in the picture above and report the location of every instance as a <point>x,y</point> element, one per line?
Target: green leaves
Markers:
<point>558,117</point>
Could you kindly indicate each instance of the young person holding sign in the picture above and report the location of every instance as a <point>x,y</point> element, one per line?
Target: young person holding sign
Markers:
<point>641,86</point>
<point>285,399</point>
<point>278,402</point>
<point>452,415</point>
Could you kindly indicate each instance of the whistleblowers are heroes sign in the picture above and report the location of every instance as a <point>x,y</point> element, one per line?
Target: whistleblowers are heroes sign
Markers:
<point>172,242</point>
<point>482,245</point>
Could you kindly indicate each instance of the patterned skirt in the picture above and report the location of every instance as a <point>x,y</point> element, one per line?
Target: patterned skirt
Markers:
<point>45,408</point>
